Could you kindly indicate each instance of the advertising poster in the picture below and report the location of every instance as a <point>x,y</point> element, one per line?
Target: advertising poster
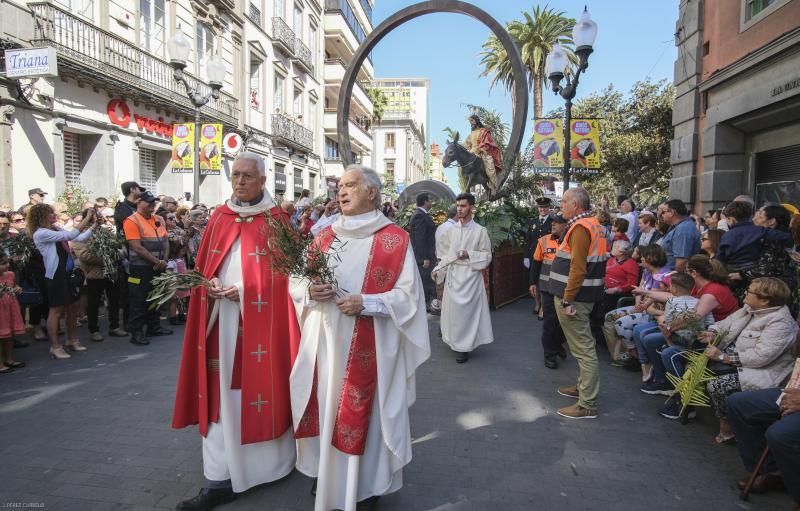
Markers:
<point>548,146</point>
<point>585,146</point>
<point>182,148</point>
<point>210,149</point>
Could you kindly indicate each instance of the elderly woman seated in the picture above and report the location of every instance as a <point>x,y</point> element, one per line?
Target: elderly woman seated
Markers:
<point>755,348</point>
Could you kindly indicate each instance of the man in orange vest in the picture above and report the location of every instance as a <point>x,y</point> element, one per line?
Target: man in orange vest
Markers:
<point>543,255</point>
<point>576,280</point>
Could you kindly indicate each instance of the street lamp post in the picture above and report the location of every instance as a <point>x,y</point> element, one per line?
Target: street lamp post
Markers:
<point>557,65</point>
<point>179,48</point>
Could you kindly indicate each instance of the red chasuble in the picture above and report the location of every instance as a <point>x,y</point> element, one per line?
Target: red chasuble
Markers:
<point>384,265</point>
<point>265,346</point>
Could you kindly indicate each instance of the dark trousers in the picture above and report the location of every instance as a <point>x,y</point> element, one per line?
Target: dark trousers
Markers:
<point>427,282</point>
<point>122,294</point>
<point>95,289</point>
<point>140,282</point>
<point>757,423</point>
<point>552,336</point>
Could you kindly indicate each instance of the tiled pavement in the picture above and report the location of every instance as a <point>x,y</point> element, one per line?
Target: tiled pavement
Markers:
<point>92,433</point>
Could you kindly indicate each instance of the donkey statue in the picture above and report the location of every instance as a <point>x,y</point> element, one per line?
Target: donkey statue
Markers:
<point>472,168</point>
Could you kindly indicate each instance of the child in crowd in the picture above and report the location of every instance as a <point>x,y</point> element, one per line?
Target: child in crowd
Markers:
<point>680,323</point>
<point>11,323</point>
<point>177,264</point>
<point>618,230</point>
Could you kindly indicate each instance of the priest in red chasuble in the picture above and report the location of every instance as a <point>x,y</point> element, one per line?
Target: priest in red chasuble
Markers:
<point>234,374</point>
<point>362,341</point>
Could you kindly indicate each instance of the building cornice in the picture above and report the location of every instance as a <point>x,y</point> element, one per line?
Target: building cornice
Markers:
<point>777,47</point>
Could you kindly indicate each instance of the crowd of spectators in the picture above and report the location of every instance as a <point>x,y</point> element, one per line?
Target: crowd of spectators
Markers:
<point>724,285</point>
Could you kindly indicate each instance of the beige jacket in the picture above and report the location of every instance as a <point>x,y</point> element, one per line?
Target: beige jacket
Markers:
<point>91,263</point>
<point>763,340</point>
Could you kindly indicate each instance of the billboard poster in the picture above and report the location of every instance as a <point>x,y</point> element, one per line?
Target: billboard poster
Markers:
<point>584,144</point>
<point>210,149</point>
<point>548,146</point>
<point>182,148</point>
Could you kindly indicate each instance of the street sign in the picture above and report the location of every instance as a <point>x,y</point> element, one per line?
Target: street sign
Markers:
<point>232,143</point>
<point>31,62</point>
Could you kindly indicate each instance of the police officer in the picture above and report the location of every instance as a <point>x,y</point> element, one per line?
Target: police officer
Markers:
<point>148,253</point>
<point>539,226</point>
<point>552,336</point>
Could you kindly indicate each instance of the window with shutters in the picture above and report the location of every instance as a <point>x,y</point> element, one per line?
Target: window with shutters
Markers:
<point>148,169</point>
<point>777,175</point>
<point>72,159</point>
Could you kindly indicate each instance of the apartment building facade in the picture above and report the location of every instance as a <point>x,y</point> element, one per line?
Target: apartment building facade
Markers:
<point>106,117</point>
<point>737,108</point>
<point>401,134</point>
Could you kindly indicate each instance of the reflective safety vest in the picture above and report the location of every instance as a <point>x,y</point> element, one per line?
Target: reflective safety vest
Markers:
<point>591,289</point>
<point>151,239</point>
<point>545,253</point>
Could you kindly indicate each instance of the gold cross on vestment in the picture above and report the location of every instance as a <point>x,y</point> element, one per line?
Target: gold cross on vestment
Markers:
<point>215,251</point>
<point>259,303</point>
<point>258,253</point>
<point>259,353</point>
<point>258,402</point>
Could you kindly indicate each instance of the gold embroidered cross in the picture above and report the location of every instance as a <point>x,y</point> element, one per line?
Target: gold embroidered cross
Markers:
<point>258,253</point>
<point>259,353</point>
<point>259,303</point>
<point>258,403</point>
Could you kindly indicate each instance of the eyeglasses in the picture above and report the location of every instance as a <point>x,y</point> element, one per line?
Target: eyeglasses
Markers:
<point>704,238</point>
<point>759,295</point>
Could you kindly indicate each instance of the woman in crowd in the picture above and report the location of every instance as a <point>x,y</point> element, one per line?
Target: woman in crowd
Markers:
<point>648,234</point>
<point>11,323</point>
<point>772,250</point>
<point>196,219</point>
<point>622,275</point>
<point>97,284</point>
<point>755,345</point>
<point>620,324</point>
<point>714,296</point>
<point>709,242</point>
<point>52,243</point>
<point>177,264</point>
<point>180,216</point>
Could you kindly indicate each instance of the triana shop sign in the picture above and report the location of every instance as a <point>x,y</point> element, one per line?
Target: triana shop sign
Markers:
<point>31,62</point>
<point>119,113</point>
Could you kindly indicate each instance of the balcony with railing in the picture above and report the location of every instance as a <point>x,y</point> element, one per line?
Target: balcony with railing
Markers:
<point>283,36</point>
<point>303,56</point>
<point>90,53</point>
<point>343,8</point>
<point>291,133</point>
<point>254,13</point>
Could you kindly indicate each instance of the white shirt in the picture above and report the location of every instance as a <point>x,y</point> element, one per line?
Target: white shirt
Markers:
<point>46,239</point>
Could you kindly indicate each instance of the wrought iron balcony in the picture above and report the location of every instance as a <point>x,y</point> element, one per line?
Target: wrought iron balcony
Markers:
<point>97,56</point>
<point>254,13</point>
<point>291,133</point>
<point>283,36</point>
<point>303,56</point>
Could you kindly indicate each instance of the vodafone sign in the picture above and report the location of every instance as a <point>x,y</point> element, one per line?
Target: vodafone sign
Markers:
<point>232,143</point>
<point>119,113</point>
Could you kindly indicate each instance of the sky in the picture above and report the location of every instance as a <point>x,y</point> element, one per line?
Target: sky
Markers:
<point>634,40</point>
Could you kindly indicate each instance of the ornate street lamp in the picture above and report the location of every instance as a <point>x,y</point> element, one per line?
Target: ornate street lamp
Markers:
<point>557,66</point>
<point>179,48</point>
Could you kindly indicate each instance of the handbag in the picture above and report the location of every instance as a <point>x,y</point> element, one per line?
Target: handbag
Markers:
<point>31,294</point>
<point>75,280</point>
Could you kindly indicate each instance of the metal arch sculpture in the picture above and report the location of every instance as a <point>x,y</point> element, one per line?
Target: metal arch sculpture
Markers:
<point>519,97</point>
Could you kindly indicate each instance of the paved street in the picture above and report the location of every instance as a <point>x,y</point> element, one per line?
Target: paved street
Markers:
<point>93,433</point>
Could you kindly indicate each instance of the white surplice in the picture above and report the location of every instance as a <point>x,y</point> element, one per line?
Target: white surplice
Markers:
<point>465,319</point>
<point>401,343</point>
<point>224,456</point>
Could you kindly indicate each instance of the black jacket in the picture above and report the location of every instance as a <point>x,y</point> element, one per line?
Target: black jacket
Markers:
<point>536,229</point>
<point>423,236</point>
<point>123,210</point>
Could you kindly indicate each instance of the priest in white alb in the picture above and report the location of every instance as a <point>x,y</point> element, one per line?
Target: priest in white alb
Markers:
<point>465,251</point>
<point>362,341</point>
<point>234,376</point>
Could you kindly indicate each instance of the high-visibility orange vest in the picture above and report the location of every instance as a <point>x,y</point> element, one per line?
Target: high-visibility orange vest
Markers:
<point>592,287</point>
<point>545,253</point>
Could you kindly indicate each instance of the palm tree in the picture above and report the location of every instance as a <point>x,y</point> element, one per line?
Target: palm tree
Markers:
<point>534,36</point>
<point>379,102</point>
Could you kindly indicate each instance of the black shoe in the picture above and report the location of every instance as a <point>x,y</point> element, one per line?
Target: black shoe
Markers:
<point>208,498</point>
<point>562,352</point>
<point>550,362</point>
<point>139,339</point>
<point>158,332</point>
<point>462,356</point>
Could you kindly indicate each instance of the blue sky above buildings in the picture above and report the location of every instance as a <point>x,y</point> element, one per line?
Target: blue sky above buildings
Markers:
<point>635,40</point>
